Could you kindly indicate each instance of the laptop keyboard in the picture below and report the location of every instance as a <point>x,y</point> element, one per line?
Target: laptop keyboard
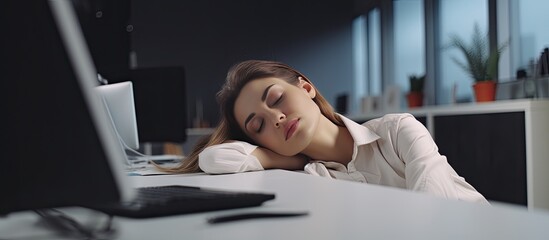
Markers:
<point>172,200</point>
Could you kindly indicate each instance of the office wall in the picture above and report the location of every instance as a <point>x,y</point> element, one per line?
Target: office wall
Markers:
<point>207,37</point>
<point>104,25</point>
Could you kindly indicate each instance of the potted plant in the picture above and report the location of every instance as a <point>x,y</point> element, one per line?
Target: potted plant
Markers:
<point>481,63</point>
<point>415,96</point>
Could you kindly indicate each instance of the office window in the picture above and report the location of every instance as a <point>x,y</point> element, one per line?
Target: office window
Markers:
<point>360,53</point>
<point>533,31</point>
<point>409,40</point>
<point>374,52</point>
<point>457,17</point>
<point>366,58</point>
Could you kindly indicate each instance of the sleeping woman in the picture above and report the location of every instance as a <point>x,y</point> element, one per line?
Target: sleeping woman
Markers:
<point>273,117</point>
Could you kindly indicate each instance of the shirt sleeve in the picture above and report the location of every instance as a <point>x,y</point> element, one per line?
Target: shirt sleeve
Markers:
<point>231,157</point>
<point>426,169</point>
<point>328,169</point>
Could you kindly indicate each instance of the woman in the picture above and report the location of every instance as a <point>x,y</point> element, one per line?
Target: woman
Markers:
<point>274,117</point>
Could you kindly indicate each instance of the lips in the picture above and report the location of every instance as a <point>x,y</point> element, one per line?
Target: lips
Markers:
<point>291,127</point>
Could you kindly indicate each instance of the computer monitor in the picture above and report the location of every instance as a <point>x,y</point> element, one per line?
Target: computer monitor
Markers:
<point>161,103</point>
<point>119,102</point>
<point>57,138</point>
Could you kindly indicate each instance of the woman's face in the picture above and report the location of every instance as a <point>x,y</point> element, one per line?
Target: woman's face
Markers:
<point>278,115</point>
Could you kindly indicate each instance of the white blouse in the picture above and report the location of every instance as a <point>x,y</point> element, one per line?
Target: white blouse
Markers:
<point>394,150</point>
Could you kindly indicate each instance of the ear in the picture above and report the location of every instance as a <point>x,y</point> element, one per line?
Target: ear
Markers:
<point>307,86</point>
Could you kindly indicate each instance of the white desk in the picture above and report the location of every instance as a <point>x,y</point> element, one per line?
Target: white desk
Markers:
<point>337,210</point>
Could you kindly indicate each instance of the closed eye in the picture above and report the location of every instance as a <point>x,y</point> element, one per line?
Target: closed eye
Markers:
<point>260,127</point>
<point>278,100</point>
<point>256,124</point>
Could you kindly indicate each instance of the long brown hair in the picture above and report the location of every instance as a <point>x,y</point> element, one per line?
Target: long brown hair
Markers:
<point>227,128</point>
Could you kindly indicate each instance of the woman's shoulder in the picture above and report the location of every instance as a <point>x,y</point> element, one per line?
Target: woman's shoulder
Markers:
<point>392,124</point>
<point>390,119</point>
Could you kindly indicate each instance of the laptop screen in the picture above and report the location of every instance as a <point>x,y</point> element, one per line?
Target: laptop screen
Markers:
<point>119,102</point>
<point>57,136</point>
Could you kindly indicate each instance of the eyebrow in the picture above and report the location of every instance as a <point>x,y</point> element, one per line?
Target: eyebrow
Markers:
<point>265,92</point>
<point>263,97</point>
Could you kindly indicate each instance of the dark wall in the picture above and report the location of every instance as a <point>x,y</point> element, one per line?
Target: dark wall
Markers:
<point>105,27</point>
<point>208,36</point>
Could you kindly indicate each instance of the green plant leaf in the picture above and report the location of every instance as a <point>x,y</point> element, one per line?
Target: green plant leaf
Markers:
<point>480,62</point>
<point>416,83</point>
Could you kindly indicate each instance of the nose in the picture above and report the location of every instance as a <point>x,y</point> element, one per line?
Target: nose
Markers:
<point>279,118</point>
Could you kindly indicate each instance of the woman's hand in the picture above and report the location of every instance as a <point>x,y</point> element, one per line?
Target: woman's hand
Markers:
<point>270,159</point>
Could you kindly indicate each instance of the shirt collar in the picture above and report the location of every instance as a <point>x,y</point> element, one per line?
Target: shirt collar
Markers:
<point>361,134</point>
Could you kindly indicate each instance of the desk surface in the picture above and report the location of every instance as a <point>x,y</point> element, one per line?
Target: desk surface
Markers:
<point>337,210</point>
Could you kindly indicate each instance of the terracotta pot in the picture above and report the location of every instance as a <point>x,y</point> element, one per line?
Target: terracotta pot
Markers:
<point>485,91</point>
<point>415,99</point>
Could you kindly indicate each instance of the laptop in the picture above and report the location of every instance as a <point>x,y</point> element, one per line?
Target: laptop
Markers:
<point>134,202</point>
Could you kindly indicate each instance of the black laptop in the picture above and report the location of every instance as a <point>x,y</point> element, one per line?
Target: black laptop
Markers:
<point>62,148</point>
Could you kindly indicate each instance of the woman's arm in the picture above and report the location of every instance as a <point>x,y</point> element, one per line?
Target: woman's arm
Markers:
<point>270,160</point>
<point>425,168</point>
<point>238,156</point>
